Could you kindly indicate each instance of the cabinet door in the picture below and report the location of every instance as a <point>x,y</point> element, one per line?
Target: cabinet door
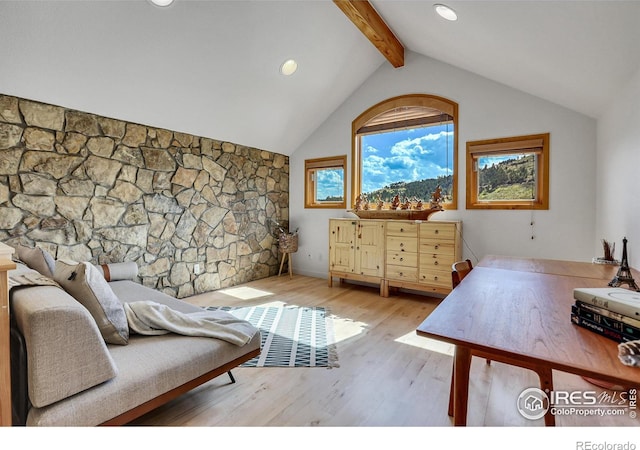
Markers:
<point>342,245</point>
<point>370,248</point>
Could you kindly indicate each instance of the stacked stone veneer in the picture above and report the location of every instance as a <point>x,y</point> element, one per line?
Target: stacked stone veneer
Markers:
<point>91,188</point>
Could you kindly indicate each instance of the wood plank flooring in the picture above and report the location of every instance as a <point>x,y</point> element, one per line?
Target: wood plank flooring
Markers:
<point>388,376</point>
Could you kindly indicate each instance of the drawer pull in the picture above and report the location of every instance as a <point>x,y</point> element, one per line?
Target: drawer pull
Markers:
<point>436,232</point>
<point>436,246</point>
<point>401,274</point>
<point>401,259</point>
<point>401,244</point>
<point>435,278</point>
<point>435,263</point>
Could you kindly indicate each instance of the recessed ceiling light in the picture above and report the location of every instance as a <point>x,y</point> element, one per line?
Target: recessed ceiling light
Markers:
<point>288,67</point>
<point>445,12</point>
<point>162,2</point>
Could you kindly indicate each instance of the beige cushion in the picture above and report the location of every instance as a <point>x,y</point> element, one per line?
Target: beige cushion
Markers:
<point>65,352</point>
<point>147,368</point>
<point>87,285</point>
<point>37,259</point>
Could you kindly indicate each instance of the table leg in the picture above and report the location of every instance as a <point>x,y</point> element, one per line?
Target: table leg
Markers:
<point>546,384</point>
<point>290,265</point>
<point>461,367</point>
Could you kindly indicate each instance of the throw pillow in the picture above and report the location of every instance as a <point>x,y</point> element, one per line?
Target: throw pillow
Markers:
<point>86,284</point>
<point>37,259</point>
<point>119,271</point>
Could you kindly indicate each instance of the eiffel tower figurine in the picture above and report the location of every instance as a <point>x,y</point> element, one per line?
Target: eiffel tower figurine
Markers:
<point>624,275</point>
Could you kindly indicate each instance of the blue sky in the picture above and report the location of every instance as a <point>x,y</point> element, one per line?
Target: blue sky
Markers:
<point>406,155</point>
<point>488,161</point>
<point>330,183</point>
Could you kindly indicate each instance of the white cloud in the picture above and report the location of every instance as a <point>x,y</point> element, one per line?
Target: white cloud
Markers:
<point>407,160</point>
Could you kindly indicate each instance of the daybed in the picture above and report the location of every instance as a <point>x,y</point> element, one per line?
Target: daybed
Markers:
<point>64,373</point>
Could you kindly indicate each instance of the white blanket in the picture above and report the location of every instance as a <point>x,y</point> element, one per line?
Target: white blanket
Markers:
<point>152,318</point>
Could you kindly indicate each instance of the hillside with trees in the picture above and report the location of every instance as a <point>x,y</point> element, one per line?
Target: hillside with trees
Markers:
<point>511,179</point>
<point>421,190</point>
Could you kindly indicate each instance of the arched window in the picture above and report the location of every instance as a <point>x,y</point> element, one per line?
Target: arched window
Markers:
<point>406,146</point>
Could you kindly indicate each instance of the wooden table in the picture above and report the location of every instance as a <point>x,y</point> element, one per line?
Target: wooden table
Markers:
<point>517,311</point>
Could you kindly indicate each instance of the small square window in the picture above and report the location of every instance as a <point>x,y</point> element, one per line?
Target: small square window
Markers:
<point>325,182</point>
<point>508,173</point>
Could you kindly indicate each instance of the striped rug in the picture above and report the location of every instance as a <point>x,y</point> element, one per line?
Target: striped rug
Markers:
<point>291,336</point>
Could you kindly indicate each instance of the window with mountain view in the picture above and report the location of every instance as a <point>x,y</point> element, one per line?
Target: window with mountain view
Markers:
<point>325,183</point>
<point>406,146</point>
<point>508,173</point>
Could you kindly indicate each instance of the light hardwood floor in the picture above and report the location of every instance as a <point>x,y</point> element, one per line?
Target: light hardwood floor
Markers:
<point>388,376</point>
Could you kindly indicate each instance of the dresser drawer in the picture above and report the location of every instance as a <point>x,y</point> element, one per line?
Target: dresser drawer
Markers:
<point>409,274</point>
<point>405,259</point>
<point>435,261</point>
<point>439,246</point>
<point>402,229</point>
<point>436,278</point>
<point>436,230</point>
<point>402,244</point>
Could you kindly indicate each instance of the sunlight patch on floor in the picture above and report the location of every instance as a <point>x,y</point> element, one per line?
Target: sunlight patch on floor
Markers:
<point>245,293</point>
<point>426,343</point>
<point>344,329</point>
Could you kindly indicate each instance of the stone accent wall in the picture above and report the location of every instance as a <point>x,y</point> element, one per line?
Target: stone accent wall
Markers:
<point>91,188</point>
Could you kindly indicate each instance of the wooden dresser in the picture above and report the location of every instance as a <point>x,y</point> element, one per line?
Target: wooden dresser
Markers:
<point>5,349</point>
<point>395,253</point>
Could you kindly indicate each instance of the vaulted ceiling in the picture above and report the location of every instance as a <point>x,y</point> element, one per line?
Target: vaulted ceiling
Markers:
<point>211,68</point>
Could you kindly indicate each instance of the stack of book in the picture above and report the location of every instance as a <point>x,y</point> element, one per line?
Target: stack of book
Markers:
<point>611,312</point>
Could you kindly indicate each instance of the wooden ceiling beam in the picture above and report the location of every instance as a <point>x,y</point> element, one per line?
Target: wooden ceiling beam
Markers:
<point>369,22</point>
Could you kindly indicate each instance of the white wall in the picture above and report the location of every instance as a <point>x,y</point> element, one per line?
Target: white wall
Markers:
<point>618,176</point>
<point>486,110</point>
